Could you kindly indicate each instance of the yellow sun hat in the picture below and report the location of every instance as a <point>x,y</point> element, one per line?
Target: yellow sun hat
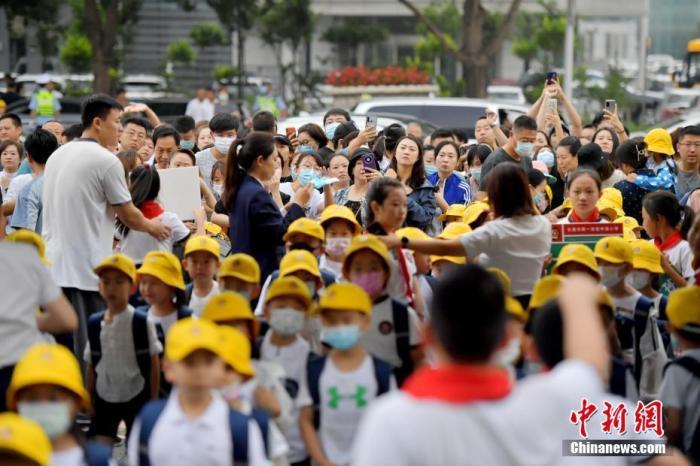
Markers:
<point>646,256</point>
<point>335,211</point>
<point>25,438</point>
<point>165,266</point>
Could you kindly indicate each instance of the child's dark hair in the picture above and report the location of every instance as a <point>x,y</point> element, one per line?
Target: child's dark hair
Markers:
<point>508,190</point>
<point>241,157</point>
<point>378,192</point>
<point>471,330</point>
<point>584,172</point>
<point>40,145</point>
<point>480,151</point>
<point>666,205</point>
<point>417,177</point>
<point>547,331</point>
<point>218,166</point>
<point>631,152</point>
<point>691,336</point>
<point>145,186</point>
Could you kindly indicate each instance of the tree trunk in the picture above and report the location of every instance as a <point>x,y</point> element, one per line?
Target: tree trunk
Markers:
<point>476,78</point>
<point>103,37</point>
<point>241,60</point>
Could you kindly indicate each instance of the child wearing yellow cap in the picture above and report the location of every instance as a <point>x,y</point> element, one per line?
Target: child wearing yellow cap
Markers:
<point>576,258</point>
<point>47,387</point>
<point>646,261</point>
<point>194,425</point>
<point>681,382</point>
<point>23,442</point>
<point>240,273</point>
<point>201,263</point>
<point>340,226</point>
<point>340,386</point>
<point>121,352</point>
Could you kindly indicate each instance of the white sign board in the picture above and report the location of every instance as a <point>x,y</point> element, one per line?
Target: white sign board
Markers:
<point>179,191</point>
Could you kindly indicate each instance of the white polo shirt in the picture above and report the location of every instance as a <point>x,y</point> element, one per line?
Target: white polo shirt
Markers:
<point>177,440</point>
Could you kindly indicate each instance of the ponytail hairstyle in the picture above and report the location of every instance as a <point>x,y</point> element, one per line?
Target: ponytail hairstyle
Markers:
<point>144,186</point>
<point>666,205</point>
<point>241,157</point>
<point>631,152</point>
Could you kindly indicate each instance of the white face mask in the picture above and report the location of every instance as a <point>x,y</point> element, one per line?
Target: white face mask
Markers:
<point>610,275</point>
<point>337,246</point>
<point>53,416</point>
<point>638,279</point>
<point>218,188</point>
<point>222,144</point>
<point>509,355</point>
<point>312,287</point>
<point>287,321</point>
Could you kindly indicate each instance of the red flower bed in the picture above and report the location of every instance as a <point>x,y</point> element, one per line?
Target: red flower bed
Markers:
<point>363,76</point>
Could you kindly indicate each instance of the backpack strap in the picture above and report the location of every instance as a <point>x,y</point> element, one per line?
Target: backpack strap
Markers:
<point>238,424</point>
<point>263,421</point>
<point>641,317</point>
<point>97,454</point>
<point>314,368</point>
<point>184,312</point>
<point>432,281</point>
<point>94,330</point>
<point>148,417</point>
<point>382,373</point>
<point>189,289</point>
<point>618,377</point>
<point>399,314</point>
<point>139,330</point>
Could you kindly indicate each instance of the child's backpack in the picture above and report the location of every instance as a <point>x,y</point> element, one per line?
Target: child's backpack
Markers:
<point>314,369</point>
<point>97,454</point>
<point>182,313</point>
<point>238,425</point>
<point>692,365</point>
<point>139,330</point>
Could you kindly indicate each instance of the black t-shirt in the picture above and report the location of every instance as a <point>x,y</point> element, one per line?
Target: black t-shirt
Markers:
<point>500,156</point>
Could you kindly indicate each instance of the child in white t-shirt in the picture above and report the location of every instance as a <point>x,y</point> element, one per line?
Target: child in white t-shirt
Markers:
<point>201,263</point>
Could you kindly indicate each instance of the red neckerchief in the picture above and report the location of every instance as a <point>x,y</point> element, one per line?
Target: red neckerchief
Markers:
<point>595,217</point>
<point>673,239</point>
<point>151,209</point>
<point>459,384</point>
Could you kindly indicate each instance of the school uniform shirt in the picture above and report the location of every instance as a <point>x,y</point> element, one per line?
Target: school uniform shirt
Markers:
<point>344,398</point>
<point>162,323</point>
<point>83,182</point>
<point>292,358</point>
<point>73,457</point>
<point>334,267</point>
<point>680,389</point>
<point>118,376</point>
<point>681,258</point>
<point>316,203</point>
<point>137,244</point>
<point>26,285</point>
<point>526,426</point>
<point>518,245</point>
<point>197,304</point>
<point>380,339</point>
<point>457,190</point>
<point>177,440</point>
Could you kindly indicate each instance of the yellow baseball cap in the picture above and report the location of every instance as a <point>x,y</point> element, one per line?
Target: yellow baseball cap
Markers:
<point>609,209</point>
<point>515,309</point>
<point>25,438</point>
<point>455,230</point>
<point>455,210</point>
<point>549,192</point>
<point>335,211</point>
<point>366,242</point>
<point>503,277</point>
<point>289,286</point>
<point>659,140</point>
<point>345,297</point>
<point>235,350</point>
<point>165,266</point>
<point>613,195</point>
<point>646,256</point>
<point>227,306</point>
<point>629,235</point>
<point>299,259</point>
<point>32,238</point>
<point>202,243</point>
<point>683,308</point>
<point>120,262</point>
<point>567,204</point>
<point>454,259</point>
<point>51,364</point>
<point>411,233</point>
<point>613,249</point>
<point>189,335</point>
<point>241,266</point>
<point>307,227</point>
<point>628,222</point>
<point>474,211</point>
<point>546,289</point>
<point>579,254</point>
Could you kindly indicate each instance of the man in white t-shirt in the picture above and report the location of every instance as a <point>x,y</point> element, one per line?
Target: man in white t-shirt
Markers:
<point>465,409</point>
<point>200,108</point>
<point>84,188</point>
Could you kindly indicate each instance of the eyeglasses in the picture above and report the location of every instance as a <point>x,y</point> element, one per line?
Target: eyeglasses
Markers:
<point>132,134</point>
<point>690,144</point>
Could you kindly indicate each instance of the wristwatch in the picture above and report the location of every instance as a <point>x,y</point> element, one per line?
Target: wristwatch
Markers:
<point>404,241</point>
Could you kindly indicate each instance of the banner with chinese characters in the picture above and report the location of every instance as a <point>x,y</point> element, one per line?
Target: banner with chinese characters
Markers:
<point>583,233</point>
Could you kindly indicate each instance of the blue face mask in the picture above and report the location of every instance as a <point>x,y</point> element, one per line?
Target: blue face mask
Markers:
<point>547,157</point>
<point>342,337</point>
<point>344,152</point>
<point>186,144</point>
<point>307,176</point>
<point>430,169</point>
<point>476,174</point>
<point>306,149</point>
<point>330,129</point>
<point>523,148</point>
<point>294,175</point>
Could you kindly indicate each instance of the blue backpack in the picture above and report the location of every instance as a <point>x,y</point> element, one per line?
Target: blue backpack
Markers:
<point>238,426</point>
<point>97,454</point>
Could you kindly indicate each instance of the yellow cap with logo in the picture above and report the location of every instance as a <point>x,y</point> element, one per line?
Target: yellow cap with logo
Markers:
<point>474,211</point>
<point>32,238</point>
<point>235,350</point>
<point>411,233</point>
<point>646,256</point>
<point>454,210</point>
<point>683,308</point>
<point>189,335</point>
<point>335,211</point>
<point>455,230</point>
<point>306,226</point>
<point>24,438</point>
<point>240,266</point>
<point>613,249</point>
<point>345,297</point>
<point>366,242</point>
<point>628,222</point>
<point>579,254</point>
<point>659,140</point>
<point>120,262</point>
<point>165,266</point>
<point>289,286</point>
<point>50,364</point>
<point>546,289</point>
<point>227,306</point>
<point>202,243</point>
<point>609,209</point>
<point>298,260</point>
<point>612,195</point>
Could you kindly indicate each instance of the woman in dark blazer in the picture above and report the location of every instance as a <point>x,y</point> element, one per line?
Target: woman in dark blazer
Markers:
<point>256,226</point>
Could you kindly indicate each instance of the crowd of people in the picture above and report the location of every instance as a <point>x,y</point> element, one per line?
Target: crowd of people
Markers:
<point>346,294</point>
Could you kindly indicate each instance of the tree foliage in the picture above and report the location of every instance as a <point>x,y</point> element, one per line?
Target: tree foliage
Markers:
<point>180,51</point>
<point>353,32</point>
<point>540,36</point>
<point>208,34</point>
<point>76,53</point>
